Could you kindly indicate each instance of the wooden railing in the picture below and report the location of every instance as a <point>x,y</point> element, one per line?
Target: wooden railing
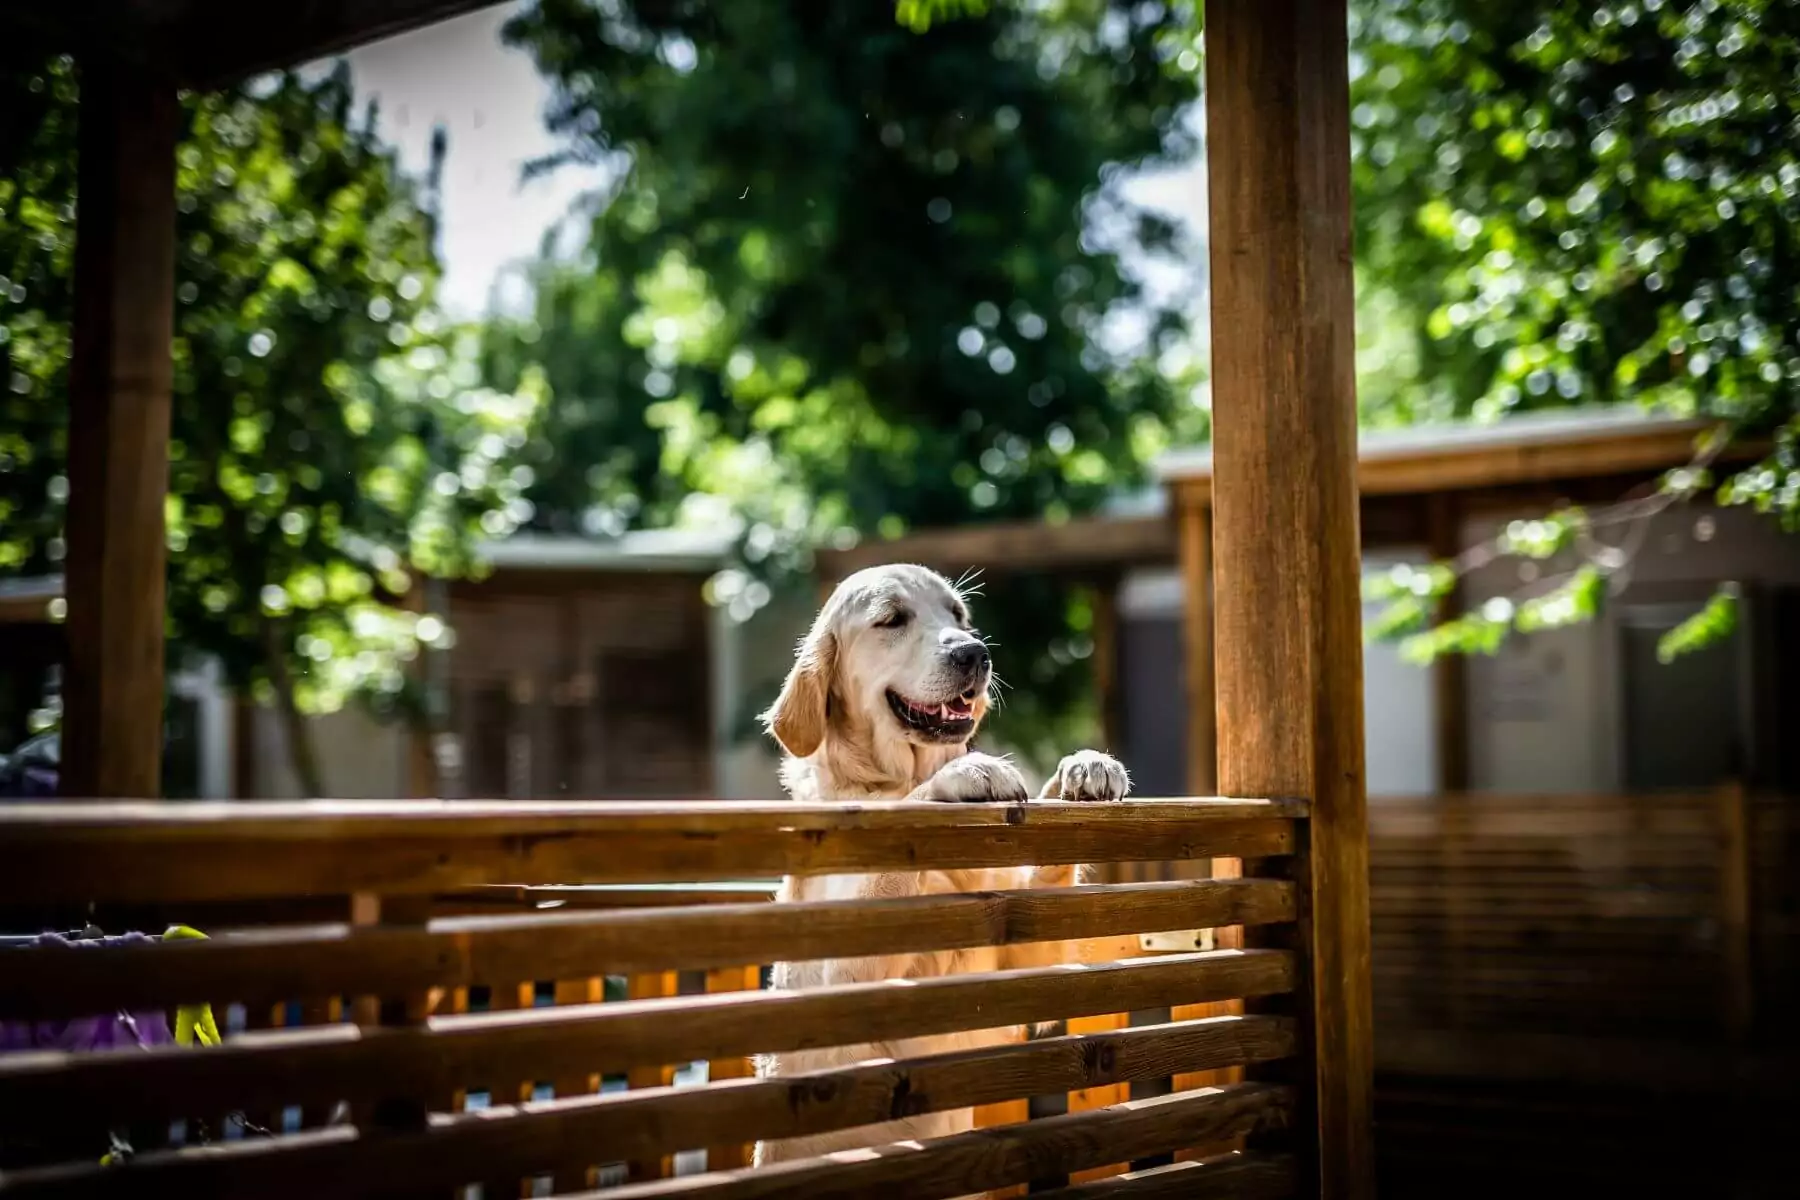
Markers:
<point>1591,916</point>
<point>1567,985</point>
<point>406,1062</point>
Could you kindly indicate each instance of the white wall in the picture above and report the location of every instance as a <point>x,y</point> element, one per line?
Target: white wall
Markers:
<point>748,661</point>
<point>1398,729</point>
<point>203,684</point>
<point>360,758</point>
<point>1544,712</point>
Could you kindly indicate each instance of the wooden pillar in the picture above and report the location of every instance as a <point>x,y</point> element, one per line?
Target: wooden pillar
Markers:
<point>1737,911</point>
<point>1285,536</point>
<point>1450,688</point>
<point>119,398</point>
<point>1194,550</point>
<point>1108,693</point>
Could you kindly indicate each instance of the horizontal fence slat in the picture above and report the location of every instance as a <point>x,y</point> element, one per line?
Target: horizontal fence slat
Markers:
<point>988,1158</point>
<point>324,1065</point>
<point>632,1125</point>
<point>282,965</point>
<point>333,820</point>
<point>1227,1177</point>
<point>129,854</point>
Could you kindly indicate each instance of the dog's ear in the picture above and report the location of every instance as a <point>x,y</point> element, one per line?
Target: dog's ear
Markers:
<point>798,716</point>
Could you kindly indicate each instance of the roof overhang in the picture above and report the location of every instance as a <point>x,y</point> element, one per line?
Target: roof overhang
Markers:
<point>205,44</point>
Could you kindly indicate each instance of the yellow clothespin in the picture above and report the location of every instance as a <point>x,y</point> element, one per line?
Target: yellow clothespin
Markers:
<point>193,1022</point>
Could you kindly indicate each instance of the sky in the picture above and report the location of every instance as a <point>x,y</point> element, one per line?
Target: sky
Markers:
<point>491,99</point>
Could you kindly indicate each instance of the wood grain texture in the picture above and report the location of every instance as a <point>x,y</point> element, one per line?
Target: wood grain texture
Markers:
<point>330,1064</point>
<point>583,1172</point>
<point>340,820</point>
<point>1228,1177</point>
<point>1287,590</point>
<point>984,1158</point>
<point>1737,912</point>
<point>144,853</point>
<point>1194,520</point>
<point>1449,673</point>
<point>120,376</point>
<point>736,1152</point>
<point>649,1125</point>
<point>655,1077</point>
<point>1498,914</point>
<point>1101,1093</point>
<point>1002,546</point>
<point>279,965</point>
<point>1489,464</point>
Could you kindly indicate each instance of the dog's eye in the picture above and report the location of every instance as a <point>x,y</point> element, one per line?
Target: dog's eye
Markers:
<point>893,620</point>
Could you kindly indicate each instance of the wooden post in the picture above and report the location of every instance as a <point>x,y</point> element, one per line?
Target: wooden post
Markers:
<point>574,1176</point>
<point>1108,698</point>
<point>1450,698</point>
<point>1285,536</point>
<point>1737,911</point>
<point>1194,548</point>
<point>1450,711</point>
<point>652,986</point>
<point>735,1155</point>
<point>119,396</point>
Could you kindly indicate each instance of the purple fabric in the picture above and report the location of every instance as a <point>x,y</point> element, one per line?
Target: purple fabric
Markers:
<point>119,1030</point>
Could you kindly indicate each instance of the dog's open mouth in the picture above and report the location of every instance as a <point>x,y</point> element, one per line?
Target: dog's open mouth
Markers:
<point>946,720</point>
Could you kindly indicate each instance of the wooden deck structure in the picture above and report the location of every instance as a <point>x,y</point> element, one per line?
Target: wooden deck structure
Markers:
<point>1290,1117</point>
<point>1416,487</point>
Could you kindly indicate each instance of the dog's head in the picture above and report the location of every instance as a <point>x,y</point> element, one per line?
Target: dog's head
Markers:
<point>893,657</point>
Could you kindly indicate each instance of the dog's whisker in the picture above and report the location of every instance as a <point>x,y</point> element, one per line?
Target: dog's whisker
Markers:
<point>969,584</point>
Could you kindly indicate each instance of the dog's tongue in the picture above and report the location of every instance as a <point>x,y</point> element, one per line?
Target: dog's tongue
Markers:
<point>956,710</point>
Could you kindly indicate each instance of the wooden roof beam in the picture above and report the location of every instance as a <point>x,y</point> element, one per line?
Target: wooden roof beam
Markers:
<point>205,44</point>
<point>1104,543</point>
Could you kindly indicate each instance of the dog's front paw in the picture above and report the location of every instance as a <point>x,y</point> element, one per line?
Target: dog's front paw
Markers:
<point>1088,775</point>
<point>973,779</point>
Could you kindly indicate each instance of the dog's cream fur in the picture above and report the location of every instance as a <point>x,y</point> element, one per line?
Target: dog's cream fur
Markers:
<point>895,628</point>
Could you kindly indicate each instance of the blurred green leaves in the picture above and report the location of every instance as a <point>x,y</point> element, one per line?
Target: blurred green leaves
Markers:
<point>1715,622</point>
<point>333,437</point>
<point>847,279</point>
<point>920,15</point>
<point>1566,203</point>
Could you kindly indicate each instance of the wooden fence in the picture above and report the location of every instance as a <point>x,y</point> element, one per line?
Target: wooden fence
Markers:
<point>1567,986</point>
<point>425,1036</point>
<point>1593,915</point>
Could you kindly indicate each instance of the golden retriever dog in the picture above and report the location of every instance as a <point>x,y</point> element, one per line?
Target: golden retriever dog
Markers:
<point>883,699</point>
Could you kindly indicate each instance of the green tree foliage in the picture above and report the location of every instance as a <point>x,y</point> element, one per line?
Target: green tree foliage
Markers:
<point>331,437</point>
<point>1562,202</point>
<point>849,279</point>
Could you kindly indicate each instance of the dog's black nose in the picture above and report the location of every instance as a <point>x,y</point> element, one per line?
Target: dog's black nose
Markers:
<point>969,656</point>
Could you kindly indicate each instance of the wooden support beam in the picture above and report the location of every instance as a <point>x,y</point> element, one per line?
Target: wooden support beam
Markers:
<point>195,44</point>
<point>1085,544</point>
<point>1108,682</point>
<point>119,397</point>
<point>1450,687</point>
<point>1194,544</point>
<point>1287,586</point>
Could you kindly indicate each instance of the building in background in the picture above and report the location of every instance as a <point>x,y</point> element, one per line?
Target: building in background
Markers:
<point>579,669</point>
<point>1581,709</point>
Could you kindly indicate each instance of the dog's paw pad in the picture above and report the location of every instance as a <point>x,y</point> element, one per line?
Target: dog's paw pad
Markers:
<point>1090,776</point>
